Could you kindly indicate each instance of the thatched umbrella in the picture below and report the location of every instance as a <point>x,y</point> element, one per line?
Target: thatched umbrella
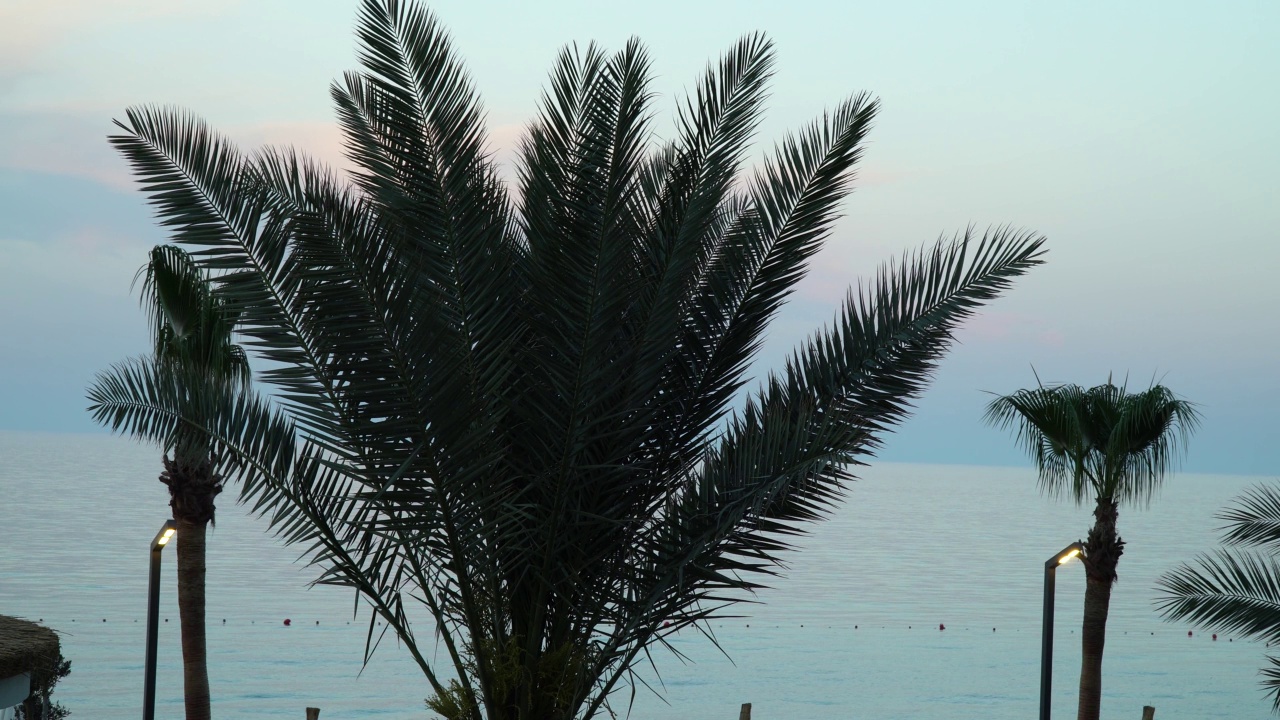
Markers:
<point>28,648</point>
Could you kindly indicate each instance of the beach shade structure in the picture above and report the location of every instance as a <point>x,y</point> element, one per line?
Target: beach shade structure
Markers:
<point>29,655</point>
<point>1046,640</point>
<point>162,538</point>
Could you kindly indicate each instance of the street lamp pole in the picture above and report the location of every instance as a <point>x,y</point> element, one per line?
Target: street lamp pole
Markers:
<point>1046,636</point>
<point>153,620</point>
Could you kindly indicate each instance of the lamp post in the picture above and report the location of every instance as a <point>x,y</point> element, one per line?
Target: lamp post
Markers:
<point>1046,637</point>
<point>153,620</point>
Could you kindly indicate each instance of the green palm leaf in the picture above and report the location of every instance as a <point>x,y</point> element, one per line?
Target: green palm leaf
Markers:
<point>1234,591</point>
<point>507,412</point>
<point>1227,591</point>
<point>1101,442</point>
<point>1254,519</point>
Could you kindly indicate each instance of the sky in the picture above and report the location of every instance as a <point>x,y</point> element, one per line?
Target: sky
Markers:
<point>1139,138</point>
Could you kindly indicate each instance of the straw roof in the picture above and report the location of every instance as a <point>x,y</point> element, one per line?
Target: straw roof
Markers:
<point>26,647</point>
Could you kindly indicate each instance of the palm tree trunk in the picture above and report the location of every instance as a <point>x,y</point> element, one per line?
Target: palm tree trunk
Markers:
<point>192,489</point>
<point>191,575</point>
<point>1097,599</point>
<point>1102,553</point>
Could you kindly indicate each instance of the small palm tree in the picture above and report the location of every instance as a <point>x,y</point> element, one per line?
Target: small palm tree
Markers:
<point>1104,444</point>
<point>191,327</point>
<point>1236,591</point>
<point>505,414</point>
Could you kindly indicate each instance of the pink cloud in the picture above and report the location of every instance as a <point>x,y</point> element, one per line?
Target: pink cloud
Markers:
<point>320,140</point>
<point>1052,338</point>
<point>29,28</point>
<point>64,144</point>
<point>1010,327</point>
<point>324,142</point>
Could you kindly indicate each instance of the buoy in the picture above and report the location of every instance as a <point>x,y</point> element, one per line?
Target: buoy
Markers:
<point>287,622</point>
<point>1215,637</point>
<point>1188,633</point>
<point>941,626</point>
<point>666,623</point>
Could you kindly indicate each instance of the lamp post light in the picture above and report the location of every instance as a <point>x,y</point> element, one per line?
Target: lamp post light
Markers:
<point>153,620</point>
<point>1046,637</point>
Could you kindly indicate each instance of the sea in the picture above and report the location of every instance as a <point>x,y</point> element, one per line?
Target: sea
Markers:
<point>853,628</point>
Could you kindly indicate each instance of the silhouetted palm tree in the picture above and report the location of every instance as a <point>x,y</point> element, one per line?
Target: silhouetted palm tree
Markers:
<point>1104,444</point>
<point>192,330</point>
<point>507,413</point>
<point>1236,591</point>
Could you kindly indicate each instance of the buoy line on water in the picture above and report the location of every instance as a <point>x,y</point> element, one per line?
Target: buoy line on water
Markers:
<point>288,622</point>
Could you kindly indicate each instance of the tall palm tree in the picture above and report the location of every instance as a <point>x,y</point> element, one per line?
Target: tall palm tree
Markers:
<point>1236,591</point>
<point>191,327</point>
<point>1104,444</point>
<point>507,414</point>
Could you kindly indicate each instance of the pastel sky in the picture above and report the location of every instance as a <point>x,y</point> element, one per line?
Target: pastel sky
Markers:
<point>1139,137</point>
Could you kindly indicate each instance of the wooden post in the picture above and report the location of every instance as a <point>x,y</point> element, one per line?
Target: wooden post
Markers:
<point>745,713</point>
<point>1148,713</point>
<point>313,713</point>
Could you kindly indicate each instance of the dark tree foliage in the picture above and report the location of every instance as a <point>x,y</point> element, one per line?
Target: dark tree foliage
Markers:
<point>506,415</point>
<point>40,706</point>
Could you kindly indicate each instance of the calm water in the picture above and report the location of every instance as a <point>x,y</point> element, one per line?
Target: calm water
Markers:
<point>852,632</point>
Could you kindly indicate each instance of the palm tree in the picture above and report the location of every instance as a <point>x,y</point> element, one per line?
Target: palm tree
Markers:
<point>506,415</point>
<point>191,327</point>
<point>1233,590</point>
<point>1110,445</point>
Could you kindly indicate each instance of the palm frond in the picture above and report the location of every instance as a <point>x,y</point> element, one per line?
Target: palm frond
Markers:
<point>1271,682</point>
<point>1227,591</point>
<point>1048,425</point>
<point>1253,519</point>
<point>784,461</point>
<point>790,206</point>
<point>204,191</point>
<point>1235,591</point>
<point>1148,439</point>
<point>311,496</point>
<point>190,324</point>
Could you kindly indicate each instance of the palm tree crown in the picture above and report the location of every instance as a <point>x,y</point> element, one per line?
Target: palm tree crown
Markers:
<point>191,329</point>
<point>190,324</point>
<point>1099,442</point>
<point>506,414</point>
